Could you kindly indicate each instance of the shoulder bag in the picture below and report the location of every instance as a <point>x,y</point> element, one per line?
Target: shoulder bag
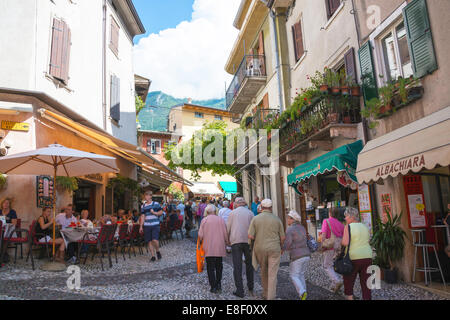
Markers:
<point>200,256</point>
<point>343,265</point>
<point>329,243</point>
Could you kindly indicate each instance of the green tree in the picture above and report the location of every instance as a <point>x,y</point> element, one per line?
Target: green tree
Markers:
<point>176,192</point>
<point>139,105</point>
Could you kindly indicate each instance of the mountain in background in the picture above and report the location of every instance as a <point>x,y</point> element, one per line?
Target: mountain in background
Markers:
<point>157,107</point>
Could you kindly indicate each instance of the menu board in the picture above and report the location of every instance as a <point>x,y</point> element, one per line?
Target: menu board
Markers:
<point>365,207</point>
<point>415,201</point>
<point>386,206</point>
<point>44,191</point>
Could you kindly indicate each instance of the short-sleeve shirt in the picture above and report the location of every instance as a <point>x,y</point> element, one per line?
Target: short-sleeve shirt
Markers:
<point>62,220</point>
<point>181,208</point>
<point>150,218</point>
<point>10,216</point>
<point>267,229</point>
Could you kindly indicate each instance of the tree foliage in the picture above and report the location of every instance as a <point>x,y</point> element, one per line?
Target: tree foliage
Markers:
<point>219,167</point>
<point>175,192</point>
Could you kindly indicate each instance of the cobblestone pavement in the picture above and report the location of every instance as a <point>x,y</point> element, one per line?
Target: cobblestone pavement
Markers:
<point>172,278</point>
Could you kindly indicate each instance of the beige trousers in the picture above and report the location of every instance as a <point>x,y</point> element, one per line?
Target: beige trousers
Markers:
<point>269,263</point>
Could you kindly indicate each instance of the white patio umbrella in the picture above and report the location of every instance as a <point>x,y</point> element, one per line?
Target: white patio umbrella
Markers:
<point>56,160</point>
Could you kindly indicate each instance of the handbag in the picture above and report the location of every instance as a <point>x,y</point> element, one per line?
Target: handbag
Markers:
<point>343,265</point>
<point>312,244</point>
<point>329,243</point>
<point>200,256</point>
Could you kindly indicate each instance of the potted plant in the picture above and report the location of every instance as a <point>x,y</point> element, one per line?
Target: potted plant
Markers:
<point>355,89</point>
<point>336,79</point>
<point>386,95</point>
<point>345,88</point>
<point>389,243</point>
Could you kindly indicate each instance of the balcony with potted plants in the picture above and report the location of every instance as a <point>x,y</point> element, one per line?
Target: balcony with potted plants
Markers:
<point>392,97</point>
<point>320,113</point>
<point>248,80</point>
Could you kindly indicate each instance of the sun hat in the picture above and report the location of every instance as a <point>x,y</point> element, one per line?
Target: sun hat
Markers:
<point>266,203</point>
<point>294,215</point>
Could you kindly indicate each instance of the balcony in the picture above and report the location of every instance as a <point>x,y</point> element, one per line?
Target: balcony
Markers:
<point>326,118</point>
<point>261,118</point>
<point>249,79</point>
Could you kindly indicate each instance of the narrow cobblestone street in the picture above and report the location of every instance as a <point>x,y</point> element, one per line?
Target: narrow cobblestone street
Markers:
<point>172,278</point>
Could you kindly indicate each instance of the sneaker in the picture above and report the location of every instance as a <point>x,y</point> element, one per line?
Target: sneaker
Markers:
<point>238,294</point>
<point>153,259</point>
<point>304,295</point>
<point>338,287</point>
<point>158,254</point>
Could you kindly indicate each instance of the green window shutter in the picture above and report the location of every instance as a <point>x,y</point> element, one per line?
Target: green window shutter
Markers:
<point>420,39</point>
<point>369,83</point>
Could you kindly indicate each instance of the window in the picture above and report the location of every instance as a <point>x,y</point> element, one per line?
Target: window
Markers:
<point>115,98</point>
<point>114,42</point>
<point>60,51</point>
<point>297,33</point>
<point>396,58</point>
<point>154,146</point>
<point>199,115</point>
<point>217,117</point>
<point>332,6</point>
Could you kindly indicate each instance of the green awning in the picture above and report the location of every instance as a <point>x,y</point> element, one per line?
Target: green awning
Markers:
<point>229,187</point>
<point>342,160</point>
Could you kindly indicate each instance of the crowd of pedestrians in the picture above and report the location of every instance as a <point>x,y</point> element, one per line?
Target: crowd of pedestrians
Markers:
<point>257,239</point>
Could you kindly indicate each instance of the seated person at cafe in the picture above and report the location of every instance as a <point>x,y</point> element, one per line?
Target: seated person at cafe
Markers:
<point>64,220</point>
<point>121,216</point>
<point>106,219</point>
<point>85,222</point>
<point>135,216</point>
<point>7,211</point>
<point>44,230</point>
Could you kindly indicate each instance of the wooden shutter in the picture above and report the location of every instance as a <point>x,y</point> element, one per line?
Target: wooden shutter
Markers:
<point>369,83</point>
<point>158,146</point>
<point>298,40</point>
<point>60,51</point>
<point>332,6</point>
<point>114,44</point>
<point>350,65</point>
<point>420,39</point>
<point>115,98</point>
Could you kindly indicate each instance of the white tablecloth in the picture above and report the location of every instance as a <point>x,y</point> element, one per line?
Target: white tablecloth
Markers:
<point>75,234</point>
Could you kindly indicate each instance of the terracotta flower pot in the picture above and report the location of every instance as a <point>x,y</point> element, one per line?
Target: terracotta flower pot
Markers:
<point>333,117</point>
<point>335,90</point>
<point>324,88</point>
<point>355,91</point>
<point>345,90</point>
<point>347,119</point>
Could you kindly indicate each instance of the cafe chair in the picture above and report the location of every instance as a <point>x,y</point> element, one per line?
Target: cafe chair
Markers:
<point>22,236</point>
<point>135,240</point>
<point>35,239</point>
<point>102,243</point>
<point>15,247</point>
<point>419,242</point>
<point>123,240</point>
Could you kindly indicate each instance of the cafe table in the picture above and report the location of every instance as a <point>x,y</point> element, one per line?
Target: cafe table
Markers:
<point>77,233</point>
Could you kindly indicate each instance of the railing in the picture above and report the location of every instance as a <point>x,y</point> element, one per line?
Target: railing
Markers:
<point>251,66</point>
<point>263,117</point>
<point>320,114</point>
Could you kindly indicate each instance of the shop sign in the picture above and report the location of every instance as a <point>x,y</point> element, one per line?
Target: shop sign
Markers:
<point>44,191</point>
<point>96,177</point>
<point>15,126</point>
<point>415,162</point>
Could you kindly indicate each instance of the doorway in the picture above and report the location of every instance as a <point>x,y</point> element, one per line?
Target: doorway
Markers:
<point>84,198</point>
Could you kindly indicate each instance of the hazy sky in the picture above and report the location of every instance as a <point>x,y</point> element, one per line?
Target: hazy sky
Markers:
<point>186,46</point>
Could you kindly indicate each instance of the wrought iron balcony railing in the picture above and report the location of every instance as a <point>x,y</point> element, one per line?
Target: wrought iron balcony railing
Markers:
<point>251,66</point>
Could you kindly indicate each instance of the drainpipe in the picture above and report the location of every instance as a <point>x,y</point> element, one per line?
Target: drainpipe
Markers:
<point>277,58</point>
<point>104,67</point>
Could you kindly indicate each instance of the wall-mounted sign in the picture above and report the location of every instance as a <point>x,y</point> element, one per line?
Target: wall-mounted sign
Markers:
<point>386,206</point>
<point>44,191</point>
<point>15,126</point>
<point>96,177</point>
<point>401,166</point>
<point>365,207</point>
<point>415,201</point>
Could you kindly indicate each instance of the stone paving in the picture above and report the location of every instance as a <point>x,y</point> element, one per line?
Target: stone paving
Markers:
<point>172,278</point>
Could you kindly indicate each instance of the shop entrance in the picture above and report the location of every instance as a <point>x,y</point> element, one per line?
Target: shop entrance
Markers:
<point>84,198</point>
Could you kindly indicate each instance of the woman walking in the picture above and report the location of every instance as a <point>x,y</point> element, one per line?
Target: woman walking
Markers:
<point>299,252</point>
<point>332,228</point>
<point>357,237</point>
<point>213,233</point>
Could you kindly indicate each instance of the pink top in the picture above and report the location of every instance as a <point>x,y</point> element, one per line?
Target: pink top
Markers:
<point>213,232</point>
<point>336,225</point>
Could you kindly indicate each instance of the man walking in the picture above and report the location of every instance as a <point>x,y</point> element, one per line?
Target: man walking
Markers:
<point>267,231</point>
<point>149,224</point>
<point>237,227</point>
<point>255,205</point>
<point>224,213</point>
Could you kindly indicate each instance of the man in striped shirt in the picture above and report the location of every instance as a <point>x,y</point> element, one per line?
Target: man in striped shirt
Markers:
<point>150,213</point>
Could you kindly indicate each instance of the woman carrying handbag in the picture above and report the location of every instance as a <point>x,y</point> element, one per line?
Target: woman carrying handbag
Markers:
<point>356,238</point>
<point>332,233</point>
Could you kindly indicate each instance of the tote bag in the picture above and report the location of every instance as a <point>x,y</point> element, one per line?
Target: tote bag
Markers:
<point>200,256</point>
<point>343,265</point>
<point>329,243</point>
